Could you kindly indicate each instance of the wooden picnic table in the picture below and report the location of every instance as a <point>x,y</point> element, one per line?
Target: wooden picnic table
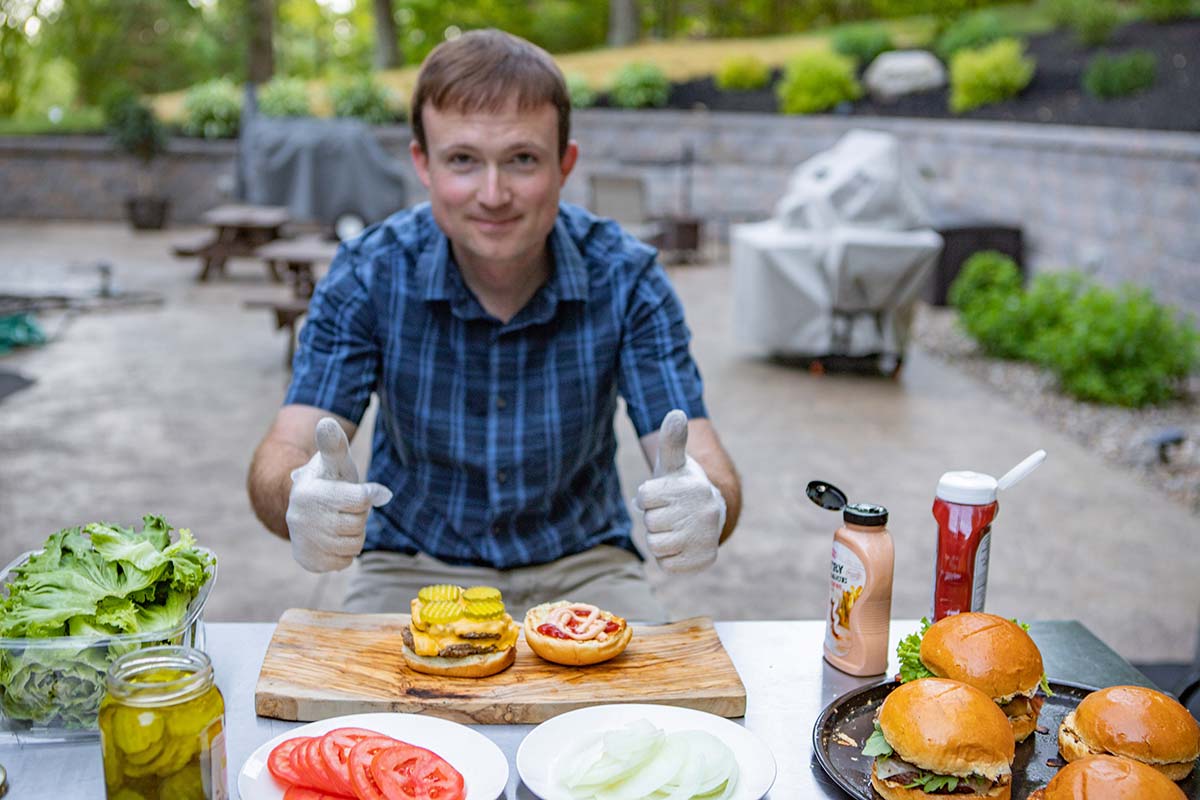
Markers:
<point>238,230</point>
<point>301,258</point>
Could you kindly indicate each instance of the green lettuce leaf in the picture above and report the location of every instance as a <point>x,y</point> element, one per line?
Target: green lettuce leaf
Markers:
<point>876,745</point>
<point>931,782</point>
<point>909,654</point>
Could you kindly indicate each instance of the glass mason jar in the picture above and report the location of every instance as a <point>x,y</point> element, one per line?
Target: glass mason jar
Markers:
<point>162,727</point>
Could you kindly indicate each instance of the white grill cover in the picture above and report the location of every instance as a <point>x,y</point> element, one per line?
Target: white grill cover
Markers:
<point>839,269</point>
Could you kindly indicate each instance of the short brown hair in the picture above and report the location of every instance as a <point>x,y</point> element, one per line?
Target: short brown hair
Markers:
<point>481,71</point>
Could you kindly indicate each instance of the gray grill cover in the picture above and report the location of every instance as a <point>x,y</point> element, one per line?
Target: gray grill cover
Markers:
<point>320,169</point>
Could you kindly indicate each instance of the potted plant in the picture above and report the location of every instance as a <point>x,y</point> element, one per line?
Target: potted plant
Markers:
<point>136,131</point>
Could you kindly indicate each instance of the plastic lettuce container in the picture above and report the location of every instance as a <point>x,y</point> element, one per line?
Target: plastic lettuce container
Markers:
<point>51,687</point>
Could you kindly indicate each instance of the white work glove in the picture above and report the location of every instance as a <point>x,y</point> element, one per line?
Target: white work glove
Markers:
<point>327,509</point>
<point>683,512</point>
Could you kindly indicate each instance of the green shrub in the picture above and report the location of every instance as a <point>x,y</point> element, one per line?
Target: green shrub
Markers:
<point>817,81</point>
<point>1117,347</point>
<point>1095,21</point>
<point>991,75</point>
<point>134,128</point>
<point>362,98</point>
<point>970,32</point>
<point>742,73</point>
<point>1165,10</point>
<point>562,26</point>
<point>640,85</point>
<point>1110,76</point>
<point>862,42</point>
<point>1092,20</point>
<point>987,294</point>
<point>581,94</point>
<point>284,97</point>
<point>1122,348</point>
<point>212,110</point>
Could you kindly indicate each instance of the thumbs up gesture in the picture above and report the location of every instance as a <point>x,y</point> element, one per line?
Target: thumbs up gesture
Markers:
<point>327,508</point>
<point>683,511</point>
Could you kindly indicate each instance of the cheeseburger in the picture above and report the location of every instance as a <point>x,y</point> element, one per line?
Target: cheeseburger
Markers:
<point>463,633</point>
<point>991,653</point>
<point>1108,778</point>
<point>935,737</point>
<point>1135,723</point>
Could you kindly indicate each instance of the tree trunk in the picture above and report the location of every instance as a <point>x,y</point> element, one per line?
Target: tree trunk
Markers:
<point>624,22</point>
<point>260,16</point>
<point>387,53</point>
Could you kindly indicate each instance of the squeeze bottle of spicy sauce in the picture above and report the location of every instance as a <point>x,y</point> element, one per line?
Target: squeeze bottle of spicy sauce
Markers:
<point>860,584</point>
<point>964,507</point>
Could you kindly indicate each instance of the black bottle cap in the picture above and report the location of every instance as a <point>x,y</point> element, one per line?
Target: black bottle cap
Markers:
<point>867,514</point>
<point>826,495</point>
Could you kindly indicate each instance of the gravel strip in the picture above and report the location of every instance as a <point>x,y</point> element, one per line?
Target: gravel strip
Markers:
<point>1123,436</point>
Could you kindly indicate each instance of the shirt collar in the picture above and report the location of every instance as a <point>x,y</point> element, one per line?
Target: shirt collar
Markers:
<point>568,281</point>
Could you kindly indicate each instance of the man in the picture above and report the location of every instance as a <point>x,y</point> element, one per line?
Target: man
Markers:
<point>497,327</point>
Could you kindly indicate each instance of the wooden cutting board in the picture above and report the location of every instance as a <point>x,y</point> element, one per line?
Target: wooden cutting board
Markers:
<point>323,664</point>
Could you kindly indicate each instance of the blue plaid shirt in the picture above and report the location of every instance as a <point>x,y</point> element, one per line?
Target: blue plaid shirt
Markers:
<point>496,438</point>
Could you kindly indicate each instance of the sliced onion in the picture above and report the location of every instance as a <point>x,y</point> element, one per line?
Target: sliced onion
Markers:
<point>639,761</point>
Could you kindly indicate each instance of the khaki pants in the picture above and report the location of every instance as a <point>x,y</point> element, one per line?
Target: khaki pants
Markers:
<point>609,577</point>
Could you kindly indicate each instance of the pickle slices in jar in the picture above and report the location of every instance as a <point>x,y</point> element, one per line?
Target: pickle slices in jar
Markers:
<point>439,591</point>
<point>441,612</point>
<point>481,593</point>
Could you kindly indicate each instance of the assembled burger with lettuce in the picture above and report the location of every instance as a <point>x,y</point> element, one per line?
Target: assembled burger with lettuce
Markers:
<point>991,653</point>
<point>463,633</point>
<point>1108,778</point>
<point>936,737</point>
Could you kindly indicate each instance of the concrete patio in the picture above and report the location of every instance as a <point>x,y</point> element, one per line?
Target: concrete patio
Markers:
<point>159,409</point>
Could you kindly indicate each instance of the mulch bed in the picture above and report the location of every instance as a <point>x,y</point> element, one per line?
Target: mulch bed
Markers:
<point>1054,96</point>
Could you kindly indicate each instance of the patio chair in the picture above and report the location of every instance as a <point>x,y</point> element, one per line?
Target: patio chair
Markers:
<point>623,198</point>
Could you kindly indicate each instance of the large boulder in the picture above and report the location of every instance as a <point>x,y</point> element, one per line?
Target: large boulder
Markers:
<point>902,72</point>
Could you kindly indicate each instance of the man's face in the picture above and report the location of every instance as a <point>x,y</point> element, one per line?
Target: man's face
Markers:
<point>494,181</point>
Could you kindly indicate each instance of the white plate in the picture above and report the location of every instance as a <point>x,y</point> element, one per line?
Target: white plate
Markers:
<point>484,768</point>
<point>544,744</point>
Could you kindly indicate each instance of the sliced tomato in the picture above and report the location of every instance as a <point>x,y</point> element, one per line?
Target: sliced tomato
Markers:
<point>334,748</point>
<point>298,759</point>
<point>361,756</point>
<point>280,763</point>
<point>313,767</point>
<point>408,772</point>
<point>305,793</point>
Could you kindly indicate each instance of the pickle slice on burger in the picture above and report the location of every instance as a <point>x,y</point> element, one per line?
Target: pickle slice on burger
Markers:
<point>991,653</point>
<point>936,737</point>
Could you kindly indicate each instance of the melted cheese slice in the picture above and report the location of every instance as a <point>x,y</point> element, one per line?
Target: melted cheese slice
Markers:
<point>429,640</point>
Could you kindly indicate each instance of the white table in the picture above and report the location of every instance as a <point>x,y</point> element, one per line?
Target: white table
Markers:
<point>787,685</point>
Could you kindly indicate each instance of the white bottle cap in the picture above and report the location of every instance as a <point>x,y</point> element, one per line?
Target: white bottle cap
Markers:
<point>968,488</point>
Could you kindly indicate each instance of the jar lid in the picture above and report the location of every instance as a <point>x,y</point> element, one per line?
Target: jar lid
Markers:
<point>867,514</point>
<point>968,488</point>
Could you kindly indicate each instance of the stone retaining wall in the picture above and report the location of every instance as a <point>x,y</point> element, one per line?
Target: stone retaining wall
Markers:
<point>1123,204</point>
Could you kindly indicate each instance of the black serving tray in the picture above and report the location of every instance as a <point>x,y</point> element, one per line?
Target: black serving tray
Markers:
<point>852,715</point>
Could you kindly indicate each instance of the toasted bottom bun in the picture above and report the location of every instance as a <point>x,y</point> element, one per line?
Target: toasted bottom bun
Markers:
<point>476,666</point>
<point>1073,748</point>
<point>1023,726</point>
<point>571,652</point>
<point>896,791</point>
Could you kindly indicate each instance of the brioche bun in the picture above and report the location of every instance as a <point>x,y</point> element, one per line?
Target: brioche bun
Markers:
<point>1108,778</point>
<point>947,727</point>
<point>890,790</point>
<point>1134,722</point>
<point>1023,726</point>
<point>573,652</point>
<point>474,666</point>
<point>991,653</point>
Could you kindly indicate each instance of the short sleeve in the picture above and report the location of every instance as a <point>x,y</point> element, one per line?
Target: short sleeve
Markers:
<point>657,373</point>
<point>338,359</point>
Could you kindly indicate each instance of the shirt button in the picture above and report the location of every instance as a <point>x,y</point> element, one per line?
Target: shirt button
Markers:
<point>501,476</point>
<point>501,403</point>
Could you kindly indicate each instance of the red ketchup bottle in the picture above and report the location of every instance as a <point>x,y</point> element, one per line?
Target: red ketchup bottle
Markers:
<point>964,508</point>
